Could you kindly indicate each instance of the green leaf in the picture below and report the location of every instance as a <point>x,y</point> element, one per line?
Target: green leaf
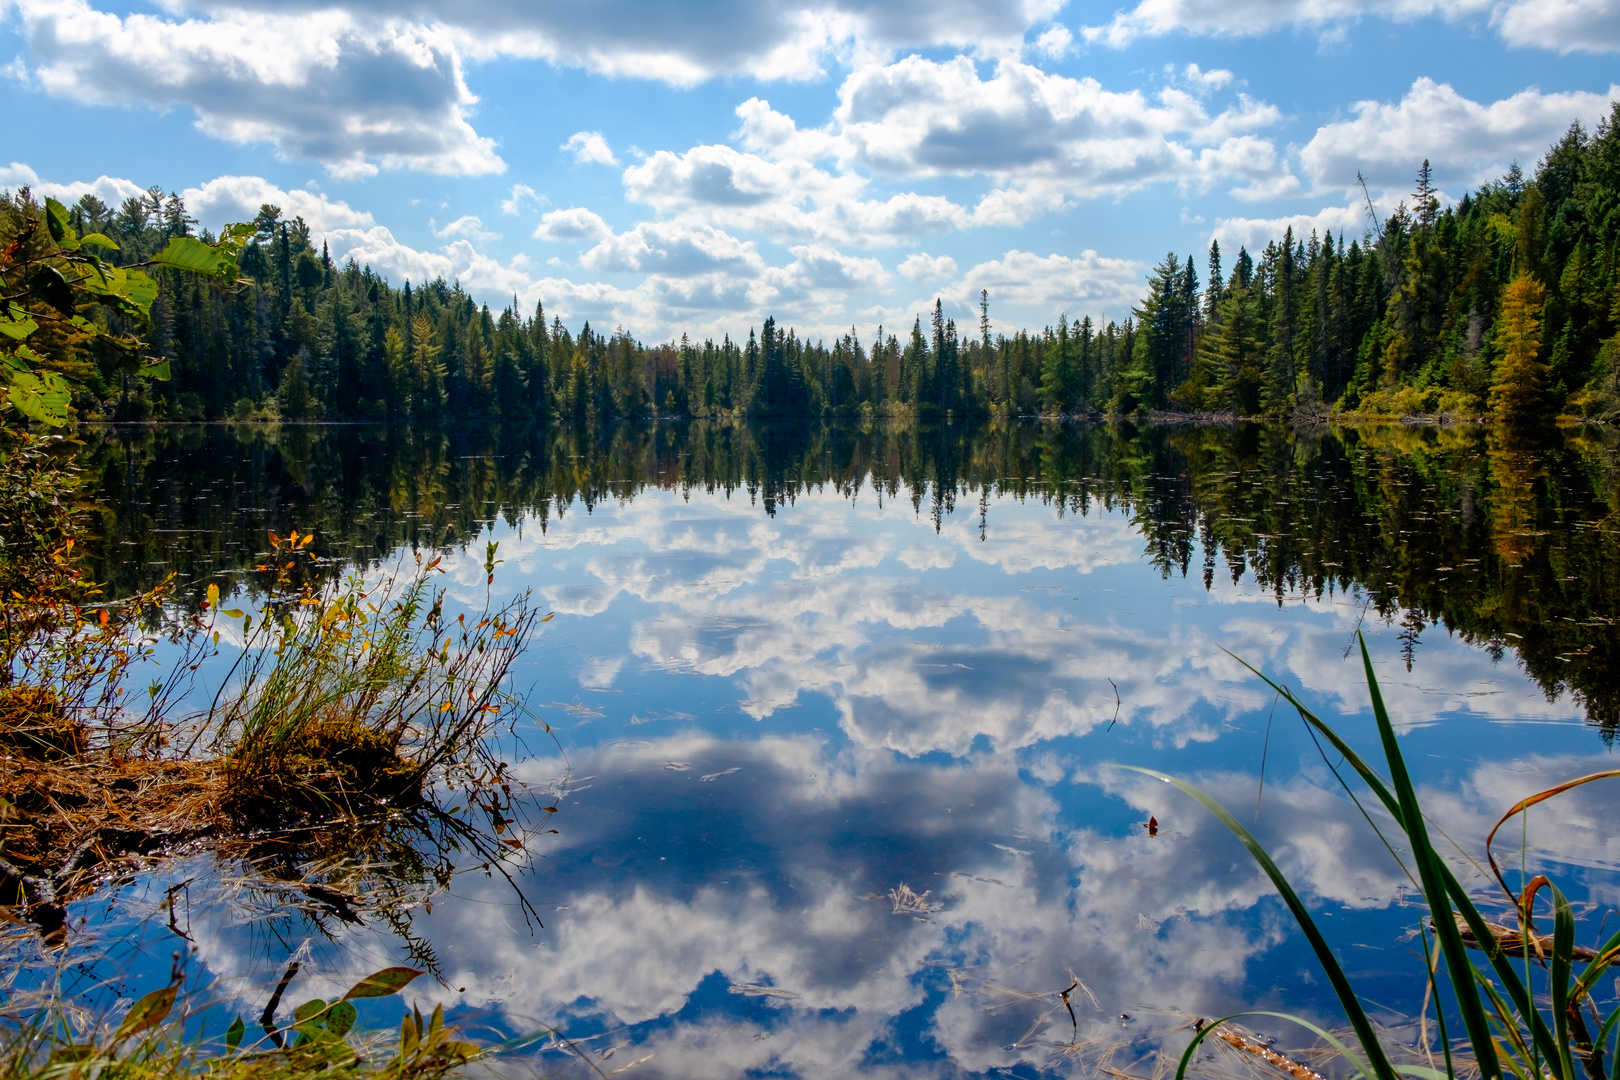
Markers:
<point>147,1013</point>
<point>96,239</point>
<point>233,1035</point>
<point>159,371</point>
<point>1501,962</point>
<point>382,983</point>
<point>231,612</point>
<point>16,327</point>
<point>49,286</point>
<point>234,237</point>
<point>128,291</point>
<point>44,397</point>
<point>1379,1062</point>
<point>1562,953</point>
<point>308,1010</point>
<point>341,1018</point>
<point>192,255</point>
<point>60,225</point>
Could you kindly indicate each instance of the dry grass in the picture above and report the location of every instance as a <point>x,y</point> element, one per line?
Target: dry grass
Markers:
<point>352,709</point>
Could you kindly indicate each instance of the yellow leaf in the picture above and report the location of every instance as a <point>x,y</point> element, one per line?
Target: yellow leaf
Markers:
<point>147,1013</point>
<point>213,596</point>
<point>447,706</point>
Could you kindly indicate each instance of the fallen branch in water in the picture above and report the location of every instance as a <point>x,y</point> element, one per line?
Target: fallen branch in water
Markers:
<point>1260,1050</point>
<point>1513,941</point>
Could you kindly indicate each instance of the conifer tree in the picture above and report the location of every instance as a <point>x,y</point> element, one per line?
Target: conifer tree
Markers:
<point>1516,391</point>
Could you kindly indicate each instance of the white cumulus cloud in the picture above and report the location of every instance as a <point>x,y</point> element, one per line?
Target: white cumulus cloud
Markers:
<point>574,223</point>
<point>468,225</point>
<point>520,196</point>
<point>111,190</point>
<point>1561,25</point>
<point>589,148</point>
<point>1467,142</point>
<point>353,95</point>
<point>674,248</point>
<point>921,267</point>
<point>227,199</point>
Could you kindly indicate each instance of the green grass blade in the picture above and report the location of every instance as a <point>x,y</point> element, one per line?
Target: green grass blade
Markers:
<point>1434,993</point>
<point>1603,1038</point>
<point>1514,985</point>
<point>1431,873</point>
<point>1510,1030</point>
<point>1563,952</point>
<point>1379,1062</point>
<point>1500,962</point>
<point>1595,970</point>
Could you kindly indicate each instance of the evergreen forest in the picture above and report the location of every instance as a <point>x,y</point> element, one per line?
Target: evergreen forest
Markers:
<point>1506,304</point>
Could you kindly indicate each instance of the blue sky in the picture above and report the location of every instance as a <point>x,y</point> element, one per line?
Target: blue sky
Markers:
<point>691,167</point>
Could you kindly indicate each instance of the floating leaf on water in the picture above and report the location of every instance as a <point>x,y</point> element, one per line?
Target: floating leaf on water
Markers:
<point>390,980</point>
<point>717,775</point>
<point>147,1013</point>
<point>341,1017</point>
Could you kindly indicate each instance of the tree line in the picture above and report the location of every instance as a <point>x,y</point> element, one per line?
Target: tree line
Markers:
<point>1502,536</point>
<point>1507,302</point>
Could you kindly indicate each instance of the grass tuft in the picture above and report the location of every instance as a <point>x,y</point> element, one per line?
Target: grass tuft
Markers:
<point>1526,1012</point>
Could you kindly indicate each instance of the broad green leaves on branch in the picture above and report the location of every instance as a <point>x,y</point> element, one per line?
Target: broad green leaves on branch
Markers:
<point>60,300</point>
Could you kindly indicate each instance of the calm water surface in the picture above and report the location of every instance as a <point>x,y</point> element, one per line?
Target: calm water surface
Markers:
<point>835,713</point>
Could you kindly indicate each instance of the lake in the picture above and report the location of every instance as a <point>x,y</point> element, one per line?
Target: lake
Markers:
<point>836,709</point>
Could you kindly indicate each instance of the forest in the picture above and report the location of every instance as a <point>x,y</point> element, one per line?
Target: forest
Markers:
<point>1505,304</point>
<point>1385,515</point>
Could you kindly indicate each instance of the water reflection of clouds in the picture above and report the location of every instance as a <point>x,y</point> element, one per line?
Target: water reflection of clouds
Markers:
<point>779,874</point>
<point>758,860</point>
<point>851,580</point>
<point>770,862</point>
<point>766,877</point>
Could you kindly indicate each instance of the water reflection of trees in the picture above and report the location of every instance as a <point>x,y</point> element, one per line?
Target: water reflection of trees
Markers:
<point>1509,542</point>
